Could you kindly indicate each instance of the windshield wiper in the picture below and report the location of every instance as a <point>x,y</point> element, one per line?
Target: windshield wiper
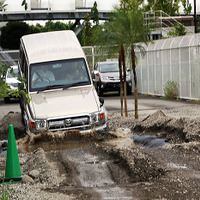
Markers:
<point>48,87</point>
<point>75,84</point>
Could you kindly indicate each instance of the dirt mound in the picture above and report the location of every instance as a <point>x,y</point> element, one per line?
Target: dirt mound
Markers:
<point>191,130</point>
<point>172,129</point>
<point>138,164</point>
<point>13,118</point>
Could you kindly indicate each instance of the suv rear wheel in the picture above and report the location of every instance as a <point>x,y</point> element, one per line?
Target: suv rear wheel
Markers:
<point>6,99</point>
<point>129,90</point>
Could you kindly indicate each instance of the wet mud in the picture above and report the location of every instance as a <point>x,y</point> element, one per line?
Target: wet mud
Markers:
<point>153,158</point>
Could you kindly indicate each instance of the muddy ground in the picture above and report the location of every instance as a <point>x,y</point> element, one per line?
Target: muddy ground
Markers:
<point>155,157</point>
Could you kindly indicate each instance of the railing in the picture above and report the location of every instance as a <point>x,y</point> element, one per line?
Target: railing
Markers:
<point>162,21</point>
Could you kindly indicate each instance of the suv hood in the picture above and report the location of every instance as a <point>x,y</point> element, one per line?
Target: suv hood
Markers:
<point>58,103</point>
<point>111,75</point>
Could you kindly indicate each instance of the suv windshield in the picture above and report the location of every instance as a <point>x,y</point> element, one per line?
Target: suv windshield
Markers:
<point>12,73</point>
<point>109,67</point>
<point>58,74</point>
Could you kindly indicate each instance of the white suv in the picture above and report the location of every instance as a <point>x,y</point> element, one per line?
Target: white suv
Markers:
<point>59,84</point>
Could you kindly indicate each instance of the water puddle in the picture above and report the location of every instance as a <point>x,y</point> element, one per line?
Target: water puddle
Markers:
<point>148,140</point>
<point>47,146</point>
<point>94,172</point>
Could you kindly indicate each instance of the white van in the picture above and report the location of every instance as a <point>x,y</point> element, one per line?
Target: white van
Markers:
<point>59,84</point>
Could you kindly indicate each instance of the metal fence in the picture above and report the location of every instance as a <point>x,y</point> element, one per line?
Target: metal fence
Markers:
<point>96,54</point>
<point>9,57</point>
<point>175,59</point>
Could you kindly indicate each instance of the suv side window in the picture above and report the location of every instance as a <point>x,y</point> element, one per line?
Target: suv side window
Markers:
<point>23,64</point>
<point>21,59</point>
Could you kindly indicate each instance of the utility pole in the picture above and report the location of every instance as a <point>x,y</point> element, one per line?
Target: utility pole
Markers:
<point>195,17</point>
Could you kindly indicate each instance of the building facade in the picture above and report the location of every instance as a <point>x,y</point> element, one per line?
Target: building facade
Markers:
<point>59,5</point>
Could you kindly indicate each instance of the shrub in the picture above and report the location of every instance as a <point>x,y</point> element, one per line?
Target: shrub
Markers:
<point>171,90</point>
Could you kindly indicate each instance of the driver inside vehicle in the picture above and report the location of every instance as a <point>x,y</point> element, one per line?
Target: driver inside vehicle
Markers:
<point>43,74</point>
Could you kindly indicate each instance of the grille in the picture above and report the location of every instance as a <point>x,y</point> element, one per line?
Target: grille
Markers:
<point>15,84</point>
<point>80,123</point>
<point>113,85</point>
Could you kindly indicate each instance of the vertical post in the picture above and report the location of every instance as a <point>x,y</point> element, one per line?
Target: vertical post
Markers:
<point>195,17</point>
<point>93,57</point>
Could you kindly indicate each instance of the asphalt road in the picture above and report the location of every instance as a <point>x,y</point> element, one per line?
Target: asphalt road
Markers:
<point>146,105</point>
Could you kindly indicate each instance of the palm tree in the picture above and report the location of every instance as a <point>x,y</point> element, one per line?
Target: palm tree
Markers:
<point>125,29</point>
<point>111,36</point>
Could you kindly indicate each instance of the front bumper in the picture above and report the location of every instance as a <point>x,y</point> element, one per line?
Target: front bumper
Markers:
<point>113,86</point>
<point>81,123</point>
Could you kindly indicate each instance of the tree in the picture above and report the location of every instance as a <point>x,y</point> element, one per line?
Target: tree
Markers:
<point>11,34</point>
<point>36,29</point>
<point>171,7</point>
<point>128,4</point>
<point>87,31</point>
<point>95,14</point>
<point>3,5</point>
<point>25,4</point>
<point>54,26</point>
<point>125,28</point>
<point>178,30</point>
<point>187,7</point>
<point>13,31</point>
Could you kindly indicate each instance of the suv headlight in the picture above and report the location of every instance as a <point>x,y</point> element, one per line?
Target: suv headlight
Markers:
<point>104,78</point>
<point>128,78</point>
<point>41,125</point>
<point>98,118</point>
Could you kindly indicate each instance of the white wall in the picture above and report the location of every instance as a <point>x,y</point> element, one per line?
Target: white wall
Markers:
<point>15,5</point>
<point>107,4</point>
<point>62,4</point>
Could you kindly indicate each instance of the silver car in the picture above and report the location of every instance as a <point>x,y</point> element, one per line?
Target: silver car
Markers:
<point>106,77</point>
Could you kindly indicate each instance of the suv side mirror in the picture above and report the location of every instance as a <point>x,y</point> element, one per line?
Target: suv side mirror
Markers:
<point>21,86</point>
<point>101,99</point>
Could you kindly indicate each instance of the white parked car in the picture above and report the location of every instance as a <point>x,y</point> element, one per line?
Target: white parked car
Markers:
<point>12,82</point>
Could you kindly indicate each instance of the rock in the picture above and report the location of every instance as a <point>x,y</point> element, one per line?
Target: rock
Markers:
<point>27,179</point>
<point>34,173</point>
<point>123,132</point>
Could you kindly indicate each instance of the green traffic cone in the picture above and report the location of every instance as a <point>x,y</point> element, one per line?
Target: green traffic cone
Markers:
<point>13,171</point>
